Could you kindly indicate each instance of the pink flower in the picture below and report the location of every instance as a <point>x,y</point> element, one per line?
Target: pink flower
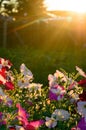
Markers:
<point>71,86</point>
<point>74,128</point>
<point>29,127</point>
<point>33,125</point>
<point>22,115</point>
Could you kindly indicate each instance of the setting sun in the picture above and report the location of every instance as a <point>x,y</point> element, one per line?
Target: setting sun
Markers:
<point>78,6</point>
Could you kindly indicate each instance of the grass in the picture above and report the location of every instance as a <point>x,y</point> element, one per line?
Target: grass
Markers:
<point>45,60</point>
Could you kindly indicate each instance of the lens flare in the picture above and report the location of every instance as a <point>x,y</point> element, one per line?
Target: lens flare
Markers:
<point>66,5</point>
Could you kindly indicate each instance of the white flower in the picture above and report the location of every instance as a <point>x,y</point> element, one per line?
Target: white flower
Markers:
<point>60,75</point>
<point>60,115</point>
<point>1,92</point>
<point>81,106</point>
<point>19,127</point>
<point>25,71</point>
<point>35,87</point>
<point>52,80</point>
<point>58,91</point>
<point>50,122</point>
<point>9,75</point>
<point>4,97</point>
<point>81,72</point>
<point>23,82</point>
<point>5,63</point>
<point>2,79</point>
<point>74,96</point>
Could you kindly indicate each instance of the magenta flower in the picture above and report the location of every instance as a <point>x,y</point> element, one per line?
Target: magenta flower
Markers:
<point>1,115</point>
<point>52,96</point>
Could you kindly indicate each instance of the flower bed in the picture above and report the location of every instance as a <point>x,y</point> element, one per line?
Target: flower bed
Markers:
<point>25,105</point>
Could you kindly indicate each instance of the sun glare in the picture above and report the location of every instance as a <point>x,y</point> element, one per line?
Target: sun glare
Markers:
<point>78,6</point>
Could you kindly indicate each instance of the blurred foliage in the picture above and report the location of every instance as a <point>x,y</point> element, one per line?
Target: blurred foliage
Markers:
<point>8,7</point>
<point>31,7</point>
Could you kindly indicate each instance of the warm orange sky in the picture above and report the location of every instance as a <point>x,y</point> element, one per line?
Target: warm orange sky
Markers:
<point>71,5</point>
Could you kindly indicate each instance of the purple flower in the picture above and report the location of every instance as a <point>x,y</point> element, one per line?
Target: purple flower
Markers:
<point>52,96</point>
<point>57,92</point>
<point>82,124</point>
<point>9,103</point>
<point>2,121</point>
